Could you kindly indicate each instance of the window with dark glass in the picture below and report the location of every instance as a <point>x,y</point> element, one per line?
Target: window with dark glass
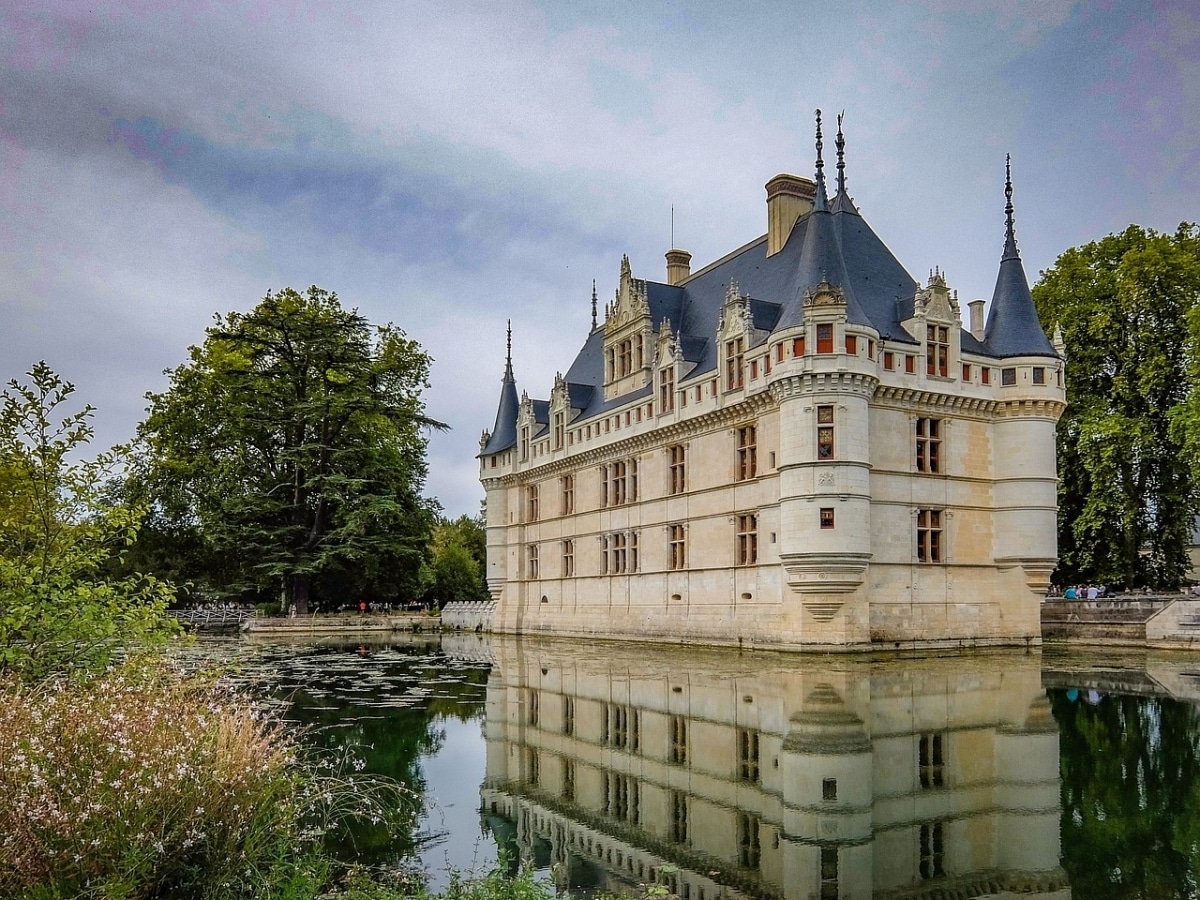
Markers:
<point>937,350</point>
<point>676,469</point>
<point>932,863</point>
<point>666,389</point>
<point>825,338</point>
<point>929,445</point>
<point>929,535</point>
<point>931,760</point>
<point>747,452</point>
<point>568,558</point>
<point>826,517</point>
<point>747,539</point>
<point>1008,376</point>
<point>1039,375</point>
<point>824,432</point>
<point>677,547</point>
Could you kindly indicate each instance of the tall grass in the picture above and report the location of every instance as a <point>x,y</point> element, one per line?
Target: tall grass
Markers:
<point>144,784</point>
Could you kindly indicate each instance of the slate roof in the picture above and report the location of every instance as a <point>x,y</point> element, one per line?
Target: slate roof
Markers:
<point>504,432</point>
<point>833,243</point>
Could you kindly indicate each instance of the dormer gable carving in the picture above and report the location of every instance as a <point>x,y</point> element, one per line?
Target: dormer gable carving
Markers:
<point>824,301</point>
<point>628,336</point>
<point>936,322</point>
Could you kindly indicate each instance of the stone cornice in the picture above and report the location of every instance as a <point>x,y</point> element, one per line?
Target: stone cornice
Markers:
<point>1030,406</point>
<point>805,383</point>
<point>913,398</point>
<point>673,433</point>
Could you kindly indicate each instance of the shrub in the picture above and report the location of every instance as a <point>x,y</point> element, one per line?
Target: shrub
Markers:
<point>141,783</point>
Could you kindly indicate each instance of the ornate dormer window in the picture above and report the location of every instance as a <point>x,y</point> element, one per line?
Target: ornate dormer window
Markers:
<point>937,323</point>
<point>824,309</point>
<point>526,426</point>
<point>735,332</point>
<point>628,336</point>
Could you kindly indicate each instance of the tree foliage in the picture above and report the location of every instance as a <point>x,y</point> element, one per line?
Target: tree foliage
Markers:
<point>293,445</point>
<point>1126,305</point>
<point>60,610</point>
<point>458,567</point>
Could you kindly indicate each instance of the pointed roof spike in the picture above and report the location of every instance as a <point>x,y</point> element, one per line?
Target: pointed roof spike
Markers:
<point>841,156</point>
<point>1010,232</point>
<point>821,202</point>
<point>594,299</point>
<point>508,372</point>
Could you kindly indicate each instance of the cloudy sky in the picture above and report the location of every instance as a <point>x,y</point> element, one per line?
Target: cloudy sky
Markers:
<point>447,166</point>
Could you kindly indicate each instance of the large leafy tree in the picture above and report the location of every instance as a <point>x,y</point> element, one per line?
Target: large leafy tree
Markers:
<point>1127,496</point>
<point>293,445</point>
<point>60,608</point>
<point>459,561</point>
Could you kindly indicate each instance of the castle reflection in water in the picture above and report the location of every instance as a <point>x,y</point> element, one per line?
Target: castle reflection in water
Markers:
<point>722,776</point>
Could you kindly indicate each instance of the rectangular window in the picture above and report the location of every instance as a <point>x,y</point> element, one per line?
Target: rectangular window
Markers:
<point>677,546</point>
<point>568,783</point>
<point>568,715</point>
<point>825,338</point>
<point>929,445</point>
<point>889,360</point>
<point>1008,376</point>
<point>747,452</point>
<point>749,851</point>
<point>559,431</point>
<point>932,851</point>
<point>735,360</point>
<point>985,375</point>
<point>1039,375</point>
<point>532,560</point>
<point>910,364</point>
<point>568,558</point>
<point>616,725</point>
<point>531,503</point>
<point>829,873</point>
<point>679,817</point>
<point>633,551</point>
<point>679,740</point>
<point>524,443</point>
<point>829,789</point>
<point>666,389</point>
<point>624,358</point>
<point>937,350</point>
<point>748,755</point>
<point>798,346</point>
<point>929,535</point>
<point>747,539</point>
<point>966,372</point>
<point>852,344</point>
<point>824,432</point>
<point>753,369</point>
<point>676,469</point>
<point>568,494</point>
<point>533,710</point>
<point>826,517</point>
<point>618,553</point>
<point>779,353</point>
<point>870,349</point>
<point>931,760</point>
<point>616,491</point>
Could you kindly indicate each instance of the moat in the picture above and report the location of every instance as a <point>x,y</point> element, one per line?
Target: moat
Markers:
<point>718,774</point>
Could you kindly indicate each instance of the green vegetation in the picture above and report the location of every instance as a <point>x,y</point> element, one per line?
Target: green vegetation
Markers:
<point>286,459</point>
<point>60,609</point>
<point>1129,443</point>
<point>458,565</point>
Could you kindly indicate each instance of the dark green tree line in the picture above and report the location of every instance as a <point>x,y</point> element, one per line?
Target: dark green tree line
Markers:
<point>1127,307</point>
<point>287,457</point>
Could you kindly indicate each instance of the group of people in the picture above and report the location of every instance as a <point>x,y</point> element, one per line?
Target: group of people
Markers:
<point>1085,592</point>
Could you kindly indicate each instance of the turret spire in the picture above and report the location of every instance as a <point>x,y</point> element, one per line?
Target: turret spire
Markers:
<point>841,156</point>
<point>508,372</point>
<point>594,301</point>
<point>1010,234</point>
<point>821,200</point>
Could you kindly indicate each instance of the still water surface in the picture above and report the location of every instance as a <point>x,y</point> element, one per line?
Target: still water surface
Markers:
<point>769,776</point>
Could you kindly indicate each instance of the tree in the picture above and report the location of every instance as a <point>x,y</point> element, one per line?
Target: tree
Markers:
<point>1127,496</point>
<point>59,609</point>
<point>458,567</point>
<point>293,442</point>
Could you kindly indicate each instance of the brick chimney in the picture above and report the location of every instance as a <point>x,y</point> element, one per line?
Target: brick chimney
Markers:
<point>788,198</point>
<point>679,266</point>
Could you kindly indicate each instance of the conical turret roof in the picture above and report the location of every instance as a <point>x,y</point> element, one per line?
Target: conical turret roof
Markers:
<point>504,432</point>
<point>1013,327</point>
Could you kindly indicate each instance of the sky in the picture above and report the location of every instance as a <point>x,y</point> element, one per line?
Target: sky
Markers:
<point>447,167</point>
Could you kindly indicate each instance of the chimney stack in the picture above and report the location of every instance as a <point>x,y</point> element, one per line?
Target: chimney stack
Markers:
<point>679,266</point>
<point>788,198</point>
<point>976,319</point>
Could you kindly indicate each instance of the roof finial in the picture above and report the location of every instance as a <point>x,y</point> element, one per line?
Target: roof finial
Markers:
<point>593,304</point>
<point>508,360</point>
<point>841,155</point>
<point>1010,234</point>
<point>820,203</point>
